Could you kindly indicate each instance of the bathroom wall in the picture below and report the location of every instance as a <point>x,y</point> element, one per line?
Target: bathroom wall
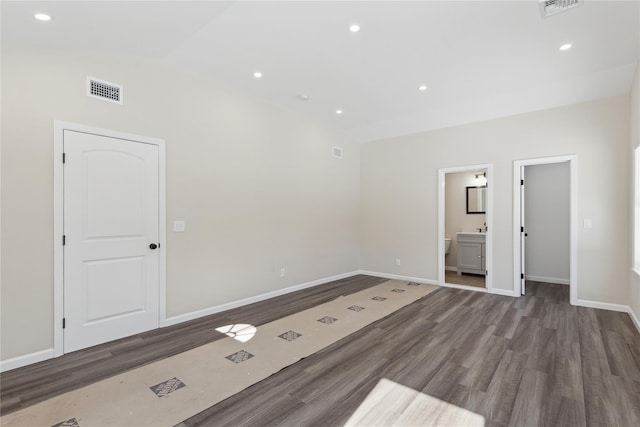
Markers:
<point>547,222</point>
<point>456,217</point>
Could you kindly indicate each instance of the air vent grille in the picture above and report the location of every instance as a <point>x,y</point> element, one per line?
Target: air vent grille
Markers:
<point>553,7</point>
<point>337,152</point>
<point>104,90</point>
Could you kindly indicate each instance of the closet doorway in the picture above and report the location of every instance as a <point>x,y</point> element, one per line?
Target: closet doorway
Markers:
<point>550,177</point>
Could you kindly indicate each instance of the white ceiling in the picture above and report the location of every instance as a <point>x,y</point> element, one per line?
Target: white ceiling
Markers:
<point>480,59</point>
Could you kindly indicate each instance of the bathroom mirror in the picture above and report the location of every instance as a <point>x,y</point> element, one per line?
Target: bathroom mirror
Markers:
<point>476,199</point>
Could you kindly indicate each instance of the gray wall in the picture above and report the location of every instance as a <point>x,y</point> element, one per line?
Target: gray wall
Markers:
<point>259,189</point>
<point>547,222</point>
<point>257,185</point>
<point>400,205</point>
<point>635,142</point>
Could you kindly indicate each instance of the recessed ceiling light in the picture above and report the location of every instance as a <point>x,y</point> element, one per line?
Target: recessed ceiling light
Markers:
<point>303,97</point>
<point>257,75</point>
<point>42,17</point>
<point>422,88</point>
<point>338,111</point>
<point>354,28</point>
<point>565,46</point>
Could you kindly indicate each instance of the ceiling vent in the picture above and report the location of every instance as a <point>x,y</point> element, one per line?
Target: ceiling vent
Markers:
<point>103,90</point>
<point>553,7</point>
<point>337,152</point>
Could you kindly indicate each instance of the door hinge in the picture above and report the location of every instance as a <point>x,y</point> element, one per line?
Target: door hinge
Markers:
<point>64,322</point>
<point>522,229</point>
<point>64,240</point>
<point>522,275</point>
<point>64,157</point>
<point>486,272</point>
<point>522,182</point>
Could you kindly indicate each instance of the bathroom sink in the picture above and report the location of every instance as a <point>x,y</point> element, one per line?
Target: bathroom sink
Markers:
<point>475,233</point>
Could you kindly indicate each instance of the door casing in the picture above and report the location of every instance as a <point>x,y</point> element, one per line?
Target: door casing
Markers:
<point>442,172</point>
<point>58,220</point>
<point>518,165</point>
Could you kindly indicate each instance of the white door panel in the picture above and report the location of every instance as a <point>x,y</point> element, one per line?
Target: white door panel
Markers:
<point>106,281</point>
<point>111,216</point>
<point>112,212</point>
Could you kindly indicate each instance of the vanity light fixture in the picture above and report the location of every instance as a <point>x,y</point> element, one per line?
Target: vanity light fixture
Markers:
<point>42,17</point>
<point>565,47</point>
<point>481,179</point>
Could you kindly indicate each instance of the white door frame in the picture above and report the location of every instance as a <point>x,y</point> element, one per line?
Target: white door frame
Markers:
<point>573,219</point>
<point>489,217</point>
<point>58,220</point>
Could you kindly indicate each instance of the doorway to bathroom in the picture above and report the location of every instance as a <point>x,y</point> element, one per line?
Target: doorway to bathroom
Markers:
<point>464,230</point>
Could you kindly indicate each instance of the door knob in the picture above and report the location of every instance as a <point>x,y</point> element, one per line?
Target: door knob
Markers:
<point>153,246</point>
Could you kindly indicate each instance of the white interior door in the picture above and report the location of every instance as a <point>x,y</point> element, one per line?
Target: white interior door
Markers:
<point>111,225</point>
<point>523,233</point>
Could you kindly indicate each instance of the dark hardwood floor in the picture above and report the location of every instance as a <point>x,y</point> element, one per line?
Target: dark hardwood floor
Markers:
<point>466,279</point>
<point>534,360</point>
<point>25,386</point>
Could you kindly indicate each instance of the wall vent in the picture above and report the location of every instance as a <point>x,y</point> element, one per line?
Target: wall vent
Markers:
<point>337,152</point>
<point>553,7</point>
<point>104,90</point>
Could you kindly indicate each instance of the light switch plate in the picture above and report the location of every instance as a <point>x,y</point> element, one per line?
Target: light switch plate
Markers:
<point>588,223</point>
<point>179,226</point>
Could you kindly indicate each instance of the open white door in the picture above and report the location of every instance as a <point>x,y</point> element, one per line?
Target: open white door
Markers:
<point>519,227</point>
<point>111,233</point>
<point>523,233</point>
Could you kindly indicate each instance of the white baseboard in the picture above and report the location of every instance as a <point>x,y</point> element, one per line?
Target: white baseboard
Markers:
<point>42,355</point>
<point>39,356</point>
<point>447,268</point>
<point>27,359</point>
<point>464,287</point>
<point>399,277</point>
<point>603,305</point>
<point>548,280</point>
<point>634,318</point>
<point>505,292</point>
<point>234,304</point>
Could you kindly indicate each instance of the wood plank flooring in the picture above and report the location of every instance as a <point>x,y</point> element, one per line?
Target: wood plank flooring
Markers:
<point>25,386</point>
<point>531,361</point>
<point>474,280</point>
<point>534,360</point>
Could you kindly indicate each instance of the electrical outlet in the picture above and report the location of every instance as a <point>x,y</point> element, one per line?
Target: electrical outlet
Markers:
<point>283,272</point>
<point>397,262</point>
